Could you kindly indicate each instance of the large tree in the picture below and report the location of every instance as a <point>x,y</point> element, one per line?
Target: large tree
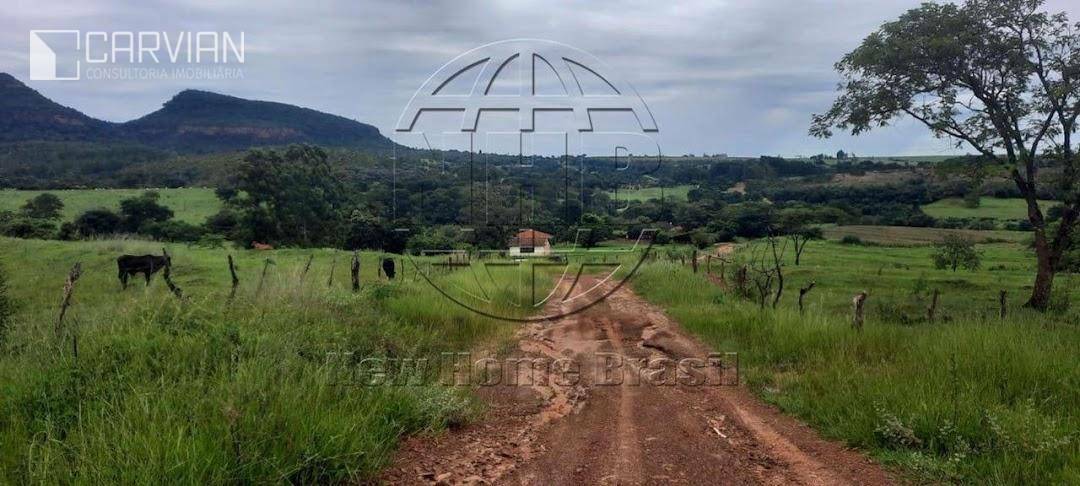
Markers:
<point>1000,76</point>
<point>291,197</point>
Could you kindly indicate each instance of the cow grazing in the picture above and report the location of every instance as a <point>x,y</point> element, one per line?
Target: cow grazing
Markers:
<point>388,268</point>
<point>147,265</point>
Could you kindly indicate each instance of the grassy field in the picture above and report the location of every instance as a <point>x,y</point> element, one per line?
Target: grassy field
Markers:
<point>192,205</point>
<point>993,208</point>
<point>905,235</point>
<point>674,193</point>
<point>968,398</point>
<point>209,390</point>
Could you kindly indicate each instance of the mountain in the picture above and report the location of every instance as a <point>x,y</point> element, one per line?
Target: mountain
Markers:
<point>191,122</point>
<point>201,121</point>
<point>27,115</point>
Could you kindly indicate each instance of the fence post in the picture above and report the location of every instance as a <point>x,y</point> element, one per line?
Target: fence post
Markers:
<point>932,310</point>
<point>235,279</point>
<point>802,294</point>
<point>262,278</point>
<point>168,281</point>
<point>355,271</point>
<point>69,287</point>
<point>333,265</point>
<point>858,301</point>
<point>307,266</point>
<point>1003,305</point>
<point>693,261</point>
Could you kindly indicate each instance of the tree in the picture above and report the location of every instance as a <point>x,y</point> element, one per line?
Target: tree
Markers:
<point>955,251</point>
<point>43,206</point>
<point>288,197</point>
<point>97,222</point>
<point>800,236</point>
<point>592,230</point>
<point>143,210</point>
<point>997,75</point>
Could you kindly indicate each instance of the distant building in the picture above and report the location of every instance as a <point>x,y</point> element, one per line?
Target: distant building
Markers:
<point>530,242</point>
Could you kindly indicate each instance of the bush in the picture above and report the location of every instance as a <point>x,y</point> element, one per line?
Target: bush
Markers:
<point>95,222</point>
<point>43,206</point>
<point>851,240</point>
<point>954,252</point>
<point>28,228</point>
<point>138,212</point>
<point>173,231</point>
<point>702,239</point>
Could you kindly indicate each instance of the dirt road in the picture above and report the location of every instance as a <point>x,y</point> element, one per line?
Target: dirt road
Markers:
<point>652,428</point>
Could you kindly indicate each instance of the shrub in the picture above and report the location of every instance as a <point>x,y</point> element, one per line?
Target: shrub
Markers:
<point>954,252</point>
<point>43,206</point>
<point>140,211</point>
<point>851,240</point>
<point>27,228</point>
<point>173,231</point>
<point>99,221</point>
<point>702,239</point>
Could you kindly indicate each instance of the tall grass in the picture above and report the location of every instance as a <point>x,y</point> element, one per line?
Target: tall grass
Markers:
<point>211,391</point>
<point>972,400</point>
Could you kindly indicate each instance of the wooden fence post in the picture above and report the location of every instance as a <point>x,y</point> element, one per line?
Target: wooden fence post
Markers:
<point>355,271</point>
<point>932,310</point>
<point>69,287</point>
<point>235,279</point>
<point>1003,305</point>
<point>802,294</point>
<point>307,267</point>
<point>741,281</point>
<point>262,278</point>
<point>858,301</point>
<point>693,261</point>
<point>333,264</point>
<point>166,274</point>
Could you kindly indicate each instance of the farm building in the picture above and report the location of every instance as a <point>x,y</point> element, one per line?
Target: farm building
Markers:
<point>530,242</point>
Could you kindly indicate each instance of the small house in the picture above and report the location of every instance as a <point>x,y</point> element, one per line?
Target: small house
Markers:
<point>530,242</point>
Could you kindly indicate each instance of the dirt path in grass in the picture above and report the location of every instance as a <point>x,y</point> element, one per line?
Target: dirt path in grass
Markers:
<point>658,426</point>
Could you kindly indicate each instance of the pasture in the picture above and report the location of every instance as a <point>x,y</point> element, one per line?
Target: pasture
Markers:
<point>968,398</point>
<point>642,194</point>
<point>907,235</point>
<point>191,204</point>
<point>993,208</point>
<point>140,387</point>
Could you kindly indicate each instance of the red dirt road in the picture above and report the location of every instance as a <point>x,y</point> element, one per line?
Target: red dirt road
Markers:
<point>649,429</point>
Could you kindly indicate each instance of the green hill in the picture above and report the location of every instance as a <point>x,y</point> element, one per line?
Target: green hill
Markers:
<point>201,122</point>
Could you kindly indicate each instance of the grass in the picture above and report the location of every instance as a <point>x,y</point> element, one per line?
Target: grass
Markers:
<point>968,398</point>
<point>211,391</point>
<point>906,235</point>
<point>673,193</point>
<point>191,205</point>
<point>992,208</point>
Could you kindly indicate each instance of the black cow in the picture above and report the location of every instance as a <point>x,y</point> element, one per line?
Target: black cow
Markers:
<point>147,265</point>
<point>388,268</point>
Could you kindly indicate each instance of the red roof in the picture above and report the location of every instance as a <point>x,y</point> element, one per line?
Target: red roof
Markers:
<point>530,237</point>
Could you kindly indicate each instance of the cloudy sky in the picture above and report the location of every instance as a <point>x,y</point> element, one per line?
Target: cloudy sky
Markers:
<point>740,77</point>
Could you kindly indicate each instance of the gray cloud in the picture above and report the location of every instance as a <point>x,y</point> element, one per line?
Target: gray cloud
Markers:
<point>740,77</point>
